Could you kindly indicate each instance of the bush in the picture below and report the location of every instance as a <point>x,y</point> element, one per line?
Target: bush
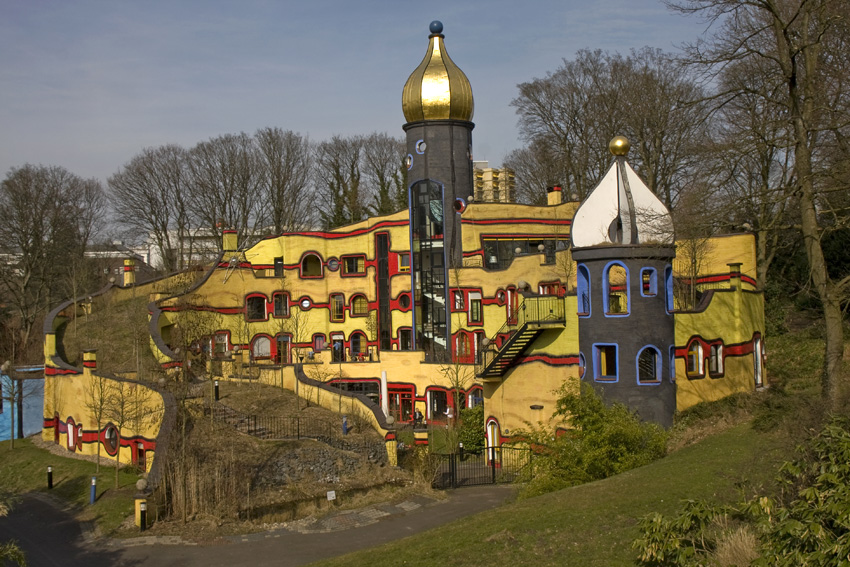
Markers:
<point>808,524</point>
<point>471,431</point>
<point>602,441</point>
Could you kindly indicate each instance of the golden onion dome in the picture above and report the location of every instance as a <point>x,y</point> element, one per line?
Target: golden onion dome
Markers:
<point>437,89</point>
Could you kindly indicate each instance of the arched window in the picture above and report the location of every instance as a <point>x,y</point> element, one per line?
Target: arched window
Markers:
<point>672,360</point>
<point>337,307</point>
<point>71,430</point>
<point>583,290</point>
<point>255,308</point>
<point>281,355</point>
<point>463,352</point>
<point>649,366</point>
<point>358,346</point>
<point>668,288</point>
<point>648,282</point>
<point>715,359</point>
<point>616,290</point>
<point>281,304</point>
<point>696,368</point>
<point>311,266</point>
<point>359,306</point>
<point>261,347</point>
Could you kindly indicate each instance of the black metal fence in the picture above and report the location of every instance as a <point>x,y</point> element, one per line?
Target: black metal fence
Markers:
<point>273,427</point>
<point>492,466</point>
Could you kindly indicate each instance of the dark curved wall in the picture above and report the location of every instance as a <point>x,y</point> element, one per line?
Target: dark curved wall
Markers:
<point>647,323</point>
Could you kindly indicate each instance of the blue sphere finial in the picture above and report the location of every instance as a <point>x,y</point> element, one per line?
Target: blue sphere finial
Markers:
<point>436,26</point>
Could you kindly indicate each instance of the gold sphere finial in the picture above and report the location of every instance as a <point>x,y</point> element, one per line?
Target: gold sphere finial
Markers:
<point>619,146</point>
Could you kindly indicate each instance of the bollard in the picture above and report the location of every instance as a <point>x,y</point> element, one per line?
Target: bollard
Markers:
<point>93,489</point>
<point>216,390</point>
<point>143,515</point>
<point>49,478</point>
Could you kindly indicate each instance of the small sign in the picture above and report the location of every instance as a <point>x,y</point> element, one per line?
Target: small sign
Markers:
<point>331,495</point>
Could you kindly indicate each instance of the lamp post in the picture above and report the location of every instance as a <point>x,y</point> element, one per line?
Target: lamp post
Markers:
<point>4,371</point>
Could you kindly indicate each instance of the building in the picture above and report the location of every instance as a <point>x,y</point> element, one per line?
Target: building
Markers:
<point>493,185</point>
<point>456,302</point>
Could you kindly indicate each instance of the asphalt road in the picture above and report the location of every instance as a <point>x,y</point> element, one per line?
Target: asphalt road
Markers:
<point>51,537</point>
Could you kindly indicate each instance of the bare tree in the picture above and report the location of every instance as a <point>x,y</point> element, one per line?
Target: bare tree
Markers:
<point>384,172</point>
<point>96,399</point>
<point>127,405</point>
<point>568,116</point>
<point>338,181</point>
<point>227,180</point>
<point>50,215</point>
<point>285,160</point>
<point>151,198</point>
<point>803,45</point>
<point>751,164</point>
<point>537,167</point>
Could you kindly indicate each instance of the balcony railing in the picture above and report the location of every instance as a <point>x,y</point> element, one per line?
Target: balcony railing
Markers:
<point>533,312</point>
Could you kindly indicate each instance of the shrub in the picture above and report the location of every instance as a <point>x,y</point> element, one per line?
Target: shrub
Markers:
<point>471,431</point>
<point>808,524</point>
<point>601,441</point>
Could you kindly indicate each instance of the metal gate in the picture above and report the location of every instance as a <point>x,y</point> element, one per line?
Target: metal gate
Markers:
<point>494,465</point>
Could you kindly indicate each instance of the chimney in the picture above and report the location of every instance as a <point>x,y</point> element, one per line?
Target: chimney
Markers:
<point>89,361</point>
<point>129,272</point>
<point>229,241</point>
<point>735,275</point>
<point>554,195</point>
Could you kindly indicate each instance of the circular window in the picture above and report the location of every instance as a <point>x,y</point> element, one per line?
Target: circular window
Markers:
<point>421,146</point>
<point>110,439</point>
<point>333,264</point>
<point>581,366</point>
<point>404,301</point>
<point>305,303</point>
<point>500,296</point>
<point>408,161</point>
<point>459,205</point>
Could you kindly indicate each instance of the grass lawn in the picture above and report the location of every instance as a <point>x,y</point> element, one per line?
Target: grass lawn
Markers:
<point>592,524</point>
<point>24,469</point>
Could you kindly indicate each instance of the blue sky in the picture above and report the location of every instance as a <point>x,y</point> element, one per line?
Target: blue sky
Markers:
<point>87,85</point>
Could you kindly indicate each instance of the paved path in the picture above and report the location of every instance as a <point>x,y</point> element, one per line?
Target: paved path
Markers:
<point>50,536</point>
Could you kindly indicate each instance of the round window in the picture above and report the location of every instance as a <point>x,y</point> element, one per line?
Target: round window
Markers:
<point>404,301</point>
<point>408,161</point>
<point>305,303</point>
<point>333,264</point>
<point>421,146</point>
<point>110,439</point>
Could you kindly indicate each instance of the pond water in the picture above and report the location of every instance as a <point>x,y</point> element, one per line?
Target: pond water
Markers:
<point>33,409</point>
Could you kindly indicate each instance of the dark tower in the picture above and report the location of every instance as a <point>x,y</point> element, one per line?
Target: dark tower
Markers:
<point>622,239</point>
<point>438,105</point>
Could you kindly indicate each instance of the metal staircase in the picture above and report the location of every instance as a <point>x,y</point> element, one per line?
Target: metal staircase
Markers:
<point>534,315</point>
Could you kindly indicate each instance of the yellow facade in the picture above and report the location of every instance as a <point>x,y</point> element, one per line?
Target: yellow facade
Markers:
<point>510,251</point>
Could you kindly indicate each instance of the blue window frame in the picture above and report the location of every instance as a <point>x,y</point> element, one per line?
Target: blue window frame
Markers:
<point>668,286</point>
<point>648,282</point>
<point>615,290</point>
<point>583,290</point>
<point>605,364</point>
<point>672,358</point>
<point>648,366</point>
